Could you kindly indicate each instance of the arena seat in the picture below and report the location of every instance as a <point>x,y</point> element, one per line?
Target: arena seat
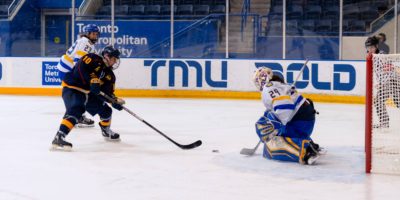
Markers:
<point>152,9</point>
<point>184,10</point>
<point>136,10</point>
<point>201,9</point>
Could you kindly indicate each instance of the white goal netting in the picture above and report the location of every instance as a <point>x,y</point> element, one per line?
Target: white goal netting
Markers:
<point>386,114</point>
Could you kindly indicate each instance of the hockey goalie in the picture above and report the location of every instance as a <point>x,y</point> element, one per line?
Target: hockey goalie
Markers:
<point>287,124</point>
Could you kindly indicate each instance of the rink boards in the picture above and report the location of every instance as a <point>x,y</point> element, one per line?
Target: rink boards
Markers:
<point>331,81</point>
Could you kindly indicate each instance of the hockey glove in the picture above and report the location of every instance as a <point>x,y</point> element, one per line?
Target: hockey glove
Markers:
<point>95,86</point>
<point>117,106</point>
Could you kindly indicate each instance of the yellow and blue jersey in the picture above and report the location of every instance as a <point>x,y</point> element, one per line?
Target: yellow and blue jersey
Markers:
<point>281,100</point>
<point>81,47</point>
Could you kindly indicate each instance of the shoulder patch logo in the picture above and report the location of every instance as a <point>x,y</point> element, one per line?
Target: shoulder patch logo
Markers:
<point>269,84</point>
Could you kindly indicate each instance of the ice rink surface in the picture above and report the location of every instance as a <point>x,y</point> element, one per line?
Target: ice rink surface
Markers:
<point>144,165</point>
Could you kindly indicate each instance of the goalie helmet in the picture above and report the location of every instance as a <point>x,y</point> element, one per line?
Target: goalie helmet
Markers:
<point>262,76</point>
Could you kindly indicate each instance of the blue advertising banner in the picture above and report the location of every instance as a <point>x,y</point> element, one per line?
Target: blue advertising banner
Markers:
<point>133,38</point>
<point>50,74</point>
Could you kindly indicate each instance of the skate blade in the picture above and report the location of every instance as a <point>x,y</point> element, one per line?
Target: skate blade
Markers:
<point>84,125</point>
<point>59,148</point>
<point>312,160</point>
<point>112,140</point>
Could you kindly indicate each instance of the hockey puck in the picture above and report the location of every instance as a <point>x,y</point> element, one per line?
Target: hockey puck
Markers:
<point>215,151</point>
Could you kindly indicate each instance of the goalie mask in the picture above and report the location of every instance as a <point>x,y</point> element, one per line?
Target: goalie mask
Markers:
<point>262,76</point>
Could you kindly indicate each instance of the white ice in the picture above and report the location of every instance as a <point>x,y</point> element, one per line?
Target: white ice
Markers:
<point>145,165</point>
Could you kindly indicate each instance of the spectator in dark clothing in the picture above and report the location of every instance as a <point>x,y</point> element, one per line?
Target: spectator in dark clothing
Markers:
<point>382,46</point>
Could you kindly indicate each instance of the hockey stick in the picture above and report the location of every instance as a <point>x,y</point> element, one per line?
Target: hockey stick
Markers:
<point>250,152</point>
<point>188,146</point>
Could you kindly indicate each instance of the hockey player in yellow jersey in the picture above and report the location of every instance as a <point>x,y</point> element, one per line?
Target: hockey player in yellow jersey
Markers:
<point>81,47</point>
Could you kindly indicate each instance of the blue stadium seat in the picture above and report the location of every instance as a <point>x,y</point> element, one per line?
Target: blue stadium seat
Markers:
<point>292,27</point>
<point>166,9</point>
<point>277,10</point>
<point>206,2</point>
<point>201,9</point>
<point>313,2</point>
<point>346,25</point>
<point>184,10</point>
<point>347,2</point>
<point>328,3</point>
<point>275,26</point>
<point>161,2</point>
<point>294,2</point>
<point>136,10</point>
<point>217,9</point>
<point>277,2</point>
<point>140,2</point>
<point>121,10</point>
<point>369,13</point>
<point>186,2</point>
<point>331,12</point>
<point>358,25</point>
<point>106,2</point>
<point>335,26</point>
<point>124,2</point>
<point>295,12</point>
<point>313,12</point>
<point>219,2</point>
<point>308,25</point>
<point>152,10</point>
<point>3,10</point>
<point>105,10</point>
<point>324,26</point>
<point>350,12</point>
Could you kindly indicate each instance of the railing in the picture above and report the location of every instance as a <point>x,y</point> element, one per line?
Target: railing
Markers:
<point>380,21</point>
<point>14,7</point>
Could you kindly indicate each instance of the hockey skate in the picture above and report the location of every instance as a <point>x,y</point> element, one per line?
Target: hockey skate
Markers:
<point>108,134</point>
<point>311,155</point>
<point>59,143</point>
<point>85,122</point>
<point>317,148</point>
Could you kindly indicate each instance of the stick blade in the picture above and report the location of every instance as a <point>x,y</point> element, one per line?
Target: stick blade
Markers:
<point>247,152</point>
<point>191,146</point>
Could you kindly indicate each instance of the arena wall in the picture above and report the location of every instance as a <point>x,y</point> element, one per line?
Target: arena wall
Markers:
<point>326,81</point>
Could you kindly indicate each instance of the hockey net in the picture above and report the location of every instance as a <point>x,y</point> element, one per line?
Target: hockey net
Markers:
<point>383,114</point>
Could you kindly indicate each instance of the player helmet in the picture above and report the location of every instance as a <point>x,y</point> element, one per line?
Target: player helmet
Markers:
<point>112,52</point>
<point>91,28</point>
<point>262,76</point>
<point>371,41</point>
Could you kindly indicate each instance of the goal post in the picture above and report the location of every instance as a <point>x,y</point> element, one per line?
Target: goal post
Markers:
<point>382,114</point>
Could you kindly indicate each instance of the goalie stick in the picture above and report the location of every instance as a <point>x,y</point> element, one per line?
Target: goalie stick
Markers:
<point>250,152</point>
<point>182,146</point>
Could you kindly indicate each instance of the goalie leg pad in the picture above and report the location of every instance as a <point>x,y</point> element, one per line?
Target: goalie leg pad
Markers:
<point>286,149</point>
